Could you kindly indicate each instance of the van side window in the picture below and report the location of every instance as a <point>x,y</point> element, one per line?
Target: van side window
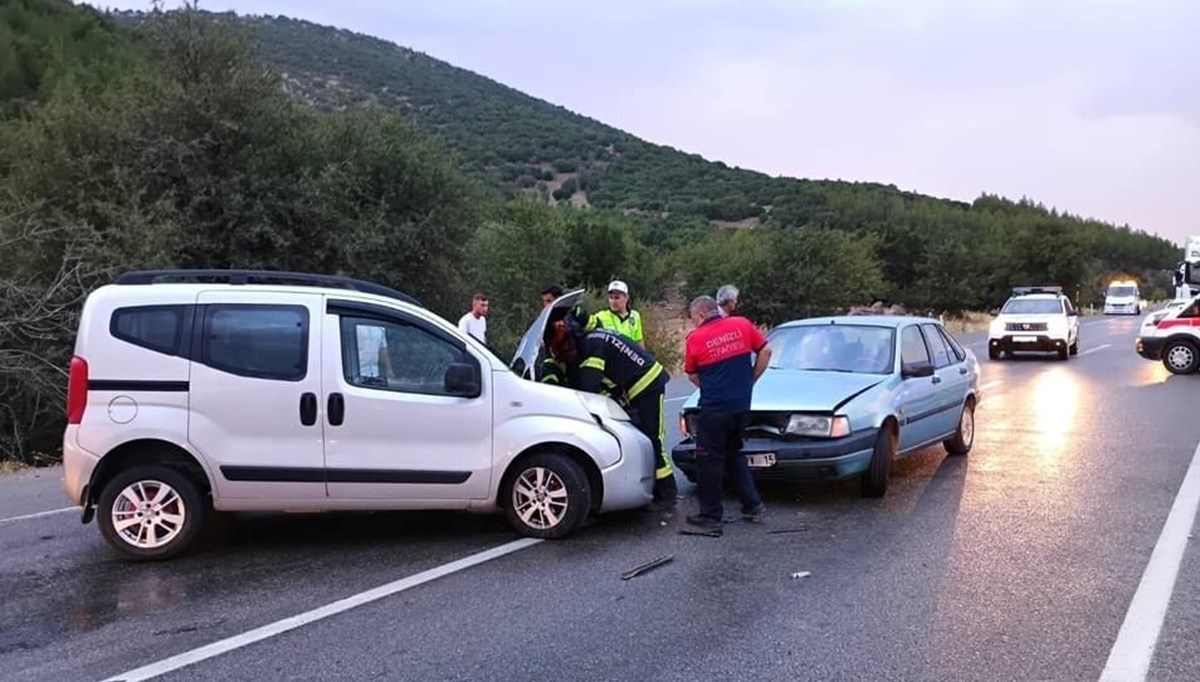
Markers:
<point>397,356</point>
<point>1192,310</point>
<point>257,341</point>
<point>155,327</point>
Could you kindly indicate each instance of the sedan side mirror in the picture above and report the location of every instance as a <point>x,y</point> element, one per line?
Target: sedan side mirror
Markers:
<point>917,370</point>
<point>463,379</point>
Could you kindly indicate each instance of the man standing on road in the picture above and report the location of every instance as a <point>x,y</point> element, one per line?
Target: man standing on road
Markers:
<point>727,298</point>
<point>475,322</point>
<point>718,361</point>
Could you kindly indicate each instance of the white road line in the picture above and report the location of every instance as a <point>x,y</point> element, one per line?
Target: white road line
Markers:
<point>1134,649</point>
<point>270,630</point>
<point>41,514</point>
<point>1093,350</point>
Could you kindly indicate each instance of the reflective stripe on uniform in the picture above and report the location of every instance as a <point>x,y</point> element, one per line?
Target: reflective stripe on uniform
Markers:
<point>592,363</point>
<point>668,467</point>
<point>647,379</point>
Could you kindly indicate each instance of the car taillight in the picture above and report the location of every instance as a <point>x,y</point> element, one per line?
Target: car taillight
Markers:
<point>77,390</point>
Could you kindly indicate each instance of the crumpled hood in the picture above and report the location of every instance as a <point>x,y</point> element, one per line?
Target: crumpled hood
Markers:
<point>785,390</point>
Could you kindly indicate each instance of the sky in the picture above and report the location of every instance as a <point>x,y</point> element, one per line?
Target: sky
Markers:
<point>1088,106</point>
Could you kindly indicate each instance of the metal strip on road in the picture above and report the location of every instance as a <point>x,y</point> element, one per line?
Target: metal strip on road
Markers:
<point>39,515</point>
<point>270,630</point>
<point>1133,651</point>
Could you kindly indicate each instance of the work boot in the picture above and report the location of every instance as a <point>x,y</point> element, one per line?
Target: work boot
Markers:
<point>705,522</point>
<point>666,491</point>
<point>755,515</point>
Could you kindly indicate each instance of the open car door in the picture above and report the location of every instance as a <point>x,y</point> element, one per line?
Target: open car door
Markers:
<point>527,361</point>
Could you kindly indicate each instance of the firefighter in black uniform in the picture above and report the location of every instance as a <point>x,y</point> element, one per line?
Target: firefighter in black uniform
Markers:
<point>603,361</point>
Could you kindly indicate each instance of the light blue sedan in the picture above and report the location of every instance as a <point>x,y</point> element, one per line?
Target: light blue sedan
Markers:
<point>844,396</point>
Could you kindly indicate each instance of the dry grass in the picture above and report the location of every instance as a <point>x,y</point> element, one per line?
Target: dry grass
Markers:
<point>969,322</point>
<point>666,330</point>
<point>8,466</point>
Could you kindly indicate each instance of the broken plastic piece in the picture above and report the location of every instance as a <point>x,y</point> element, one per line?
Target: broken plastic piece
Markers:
<point>801,529</point>
<point>714,533</point>
<point>800,574</point>
<point>648,566</point>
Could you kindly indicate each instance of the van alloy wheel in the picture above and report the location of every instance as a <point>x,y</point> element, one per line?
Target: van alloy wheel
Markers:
<point>151,512</point>
<point>540,498</point>
<point>148,514</point>
<point>546,495</point>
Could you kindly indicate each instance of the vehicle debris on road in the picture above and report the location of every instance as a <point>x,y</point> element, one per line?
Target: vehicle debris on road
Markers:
<point>647,567</point>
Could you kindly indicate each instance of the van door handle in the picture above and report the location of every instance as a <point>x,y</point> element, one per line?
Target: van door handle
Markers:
<point>962,370</point>
<point>308,409</point>
<point>337,409</point>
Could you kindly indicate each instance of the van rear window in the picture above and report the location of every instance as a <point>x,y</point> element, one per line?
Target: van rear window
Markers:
<point>157,327</point>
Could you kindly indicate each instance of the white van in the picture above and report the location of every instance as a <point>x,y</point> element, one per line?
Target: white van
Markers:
<point>288,391</point>
<point>1123,297</point>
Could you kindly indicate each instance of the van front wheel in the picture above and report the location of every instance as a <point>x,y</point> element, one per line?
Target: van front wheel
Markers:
<point>546,496</point>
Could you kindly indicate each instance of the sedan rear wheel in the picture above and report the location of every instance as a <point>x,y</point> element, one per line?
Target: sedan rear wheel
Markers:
<point>960,444</point>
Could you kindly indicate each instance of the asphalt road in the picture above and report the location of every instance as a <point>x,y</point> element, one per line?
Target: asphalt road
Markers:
<point>1019,562</point>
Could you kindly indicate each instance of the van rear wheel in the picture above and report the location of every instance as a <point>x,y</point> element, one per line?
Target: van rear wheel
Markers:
<point>150,512</point>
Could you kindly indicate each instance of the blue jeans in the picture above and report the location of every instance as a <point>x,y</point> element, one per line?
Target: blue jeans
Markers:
<point>718,450</point>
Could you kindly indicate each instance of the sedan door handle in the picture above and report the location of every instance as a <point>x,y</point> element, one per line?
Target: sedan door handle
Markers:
<point>308,409</point>
<point>937,379</point>
<point>337,409</point>
<point>962,370</point>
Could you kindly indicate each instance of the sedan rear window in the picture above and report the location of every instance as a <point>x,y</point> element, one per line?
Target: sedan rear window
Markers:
<point>857,349</point>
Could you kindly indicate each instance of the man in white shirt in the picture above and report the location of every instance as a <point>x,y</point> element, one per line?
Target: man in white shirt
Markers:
<point>374,365</point>
<point>475,322</point>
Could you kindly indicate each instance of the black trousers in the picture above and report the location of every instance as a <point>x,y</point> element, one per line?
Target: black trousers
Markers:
<point>718,450</point>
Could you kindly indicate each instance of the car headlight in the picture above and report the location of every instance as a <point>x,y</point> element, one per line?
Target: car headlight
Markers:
<point>603,407</point>
<point>818,426</point>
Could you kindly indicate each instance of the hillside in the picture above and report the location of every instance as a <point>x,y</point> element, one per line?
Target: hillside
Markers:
<point>517,142</point>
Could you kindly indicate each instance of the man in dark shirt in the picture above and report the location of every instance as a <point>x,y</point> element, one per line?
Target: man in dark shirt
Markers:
<point>718,361</point>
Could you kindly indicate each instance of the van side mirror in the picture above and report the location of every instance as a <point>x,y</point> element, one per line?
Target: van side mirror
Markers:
<point>917,370</point>
<point>462,379</point>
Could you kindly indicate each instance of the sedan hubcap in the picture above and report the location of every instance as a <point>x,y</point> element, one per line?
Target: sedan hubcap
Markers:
<point>540,498</point>
<point>967,426</point>
<point>148,514</point>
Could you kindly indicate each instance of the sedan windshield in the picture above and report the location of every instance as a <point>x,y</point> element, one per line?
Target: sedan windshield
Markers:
<point>1033,306</point>
<point>858,349</point>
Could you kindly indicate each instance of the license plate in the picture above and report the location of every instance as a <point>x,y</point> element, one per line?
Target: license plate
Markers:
<point>761,460</point>
<point>1025,339</point>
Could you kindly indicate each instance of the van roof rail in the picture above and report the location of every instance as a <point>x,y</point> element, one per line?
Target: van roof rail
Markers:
<point>136,277</point>
<point>1039,289</point>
